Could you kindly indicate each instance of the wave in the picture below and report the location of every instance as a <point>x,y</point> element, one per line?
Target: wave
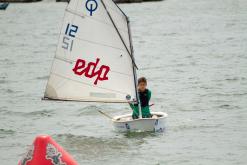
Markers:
<point>3,81</point>
<point>193,127</point>
<point>42,78</point>
<point>42,113</point>
<point>88,147</point>
<point>6,132</point>
<point>89,110</point>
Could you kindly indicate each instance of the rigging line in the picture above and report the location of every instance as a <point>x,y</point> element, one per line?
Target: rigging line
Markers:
<point>88,84</point>
<point>89,17</point>
<point>133,61</point>
<point>72,61</point>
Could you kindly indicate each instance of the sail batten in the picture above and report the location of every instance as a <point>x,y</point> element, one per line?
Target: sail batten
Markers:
<point>97,43</point>
<point>93,60</point>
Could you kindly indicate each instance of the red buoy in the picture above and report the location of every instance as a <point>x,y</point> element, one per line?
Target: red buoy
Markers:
<point>45,151</point>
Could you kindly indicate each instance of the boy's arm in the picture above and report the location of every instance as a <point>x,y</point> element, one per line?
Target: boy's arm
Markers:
<point>133,105</point>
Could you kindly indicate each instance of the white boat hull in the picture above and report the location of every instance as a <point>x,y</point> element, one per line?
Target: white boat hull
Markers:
<point>125,123</point>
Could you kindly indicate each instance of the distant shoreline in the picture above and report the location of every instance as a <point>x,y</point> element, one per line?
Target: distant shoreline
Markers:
<point>133,1</point>
<point>117,1</point>
<point>20,1</point>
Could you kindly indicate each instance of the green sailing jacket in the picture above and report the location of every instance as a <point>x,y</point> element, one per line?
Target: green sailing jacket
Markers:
<point>145,110</point>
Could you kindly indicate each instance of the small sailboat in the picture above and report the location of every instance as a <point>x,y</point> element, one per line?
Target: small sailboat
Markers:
<point>94,62</point>
<point>3,6</point>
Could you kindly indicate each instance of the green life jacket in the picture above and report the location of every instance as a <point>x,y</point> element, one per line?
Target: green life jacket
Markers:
<point>144,99</point>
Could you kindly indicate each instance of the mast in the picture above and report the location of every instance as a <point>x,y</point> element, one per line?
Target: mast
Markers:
<point>134,70</point>
<point>131,53</point>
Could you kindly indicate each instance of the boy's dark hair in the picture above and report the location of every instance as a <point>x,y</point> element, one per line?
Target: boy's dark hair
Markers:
<point>142,79</point>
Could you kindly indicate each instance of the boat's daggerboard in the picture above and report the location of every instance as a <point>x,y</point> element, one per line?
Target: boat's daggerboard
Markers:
<point>93,60</point>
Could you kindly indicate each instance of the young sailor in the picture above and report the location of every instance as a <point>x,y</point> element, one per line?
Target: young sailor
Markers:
<point>145,96</point>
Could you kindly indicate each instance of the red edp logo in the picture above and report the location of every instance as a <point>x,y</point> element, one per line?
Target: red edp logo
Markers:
<point>91,70</point>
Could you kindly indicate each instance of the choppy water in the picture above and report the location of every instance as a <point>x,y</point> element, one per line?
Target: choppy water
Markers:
<point>194,54</point>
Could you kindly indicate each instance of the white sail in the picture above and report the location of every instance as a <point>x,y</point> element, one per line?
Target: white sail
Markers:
<point>93,60</point>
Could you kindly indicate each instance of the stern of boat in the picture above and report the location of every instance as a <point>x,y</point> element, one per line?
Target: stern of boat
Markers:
<point>125,123</point>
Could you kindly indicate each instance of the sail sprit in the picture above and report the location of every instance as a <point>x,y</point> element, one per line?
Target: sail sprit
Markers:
<point>131,56</point>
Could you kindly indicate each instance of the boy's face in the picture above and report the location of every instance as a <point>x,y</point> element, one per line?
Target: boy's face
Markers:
<point>142,86</point>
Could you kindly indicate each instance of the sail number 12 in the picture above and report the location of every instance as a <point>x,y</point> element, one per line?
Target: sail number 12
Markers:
<point>70,33</point>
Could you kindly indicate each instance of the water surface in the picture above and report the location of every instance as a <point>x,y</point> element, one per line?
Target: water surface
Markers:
<point>193,53</point>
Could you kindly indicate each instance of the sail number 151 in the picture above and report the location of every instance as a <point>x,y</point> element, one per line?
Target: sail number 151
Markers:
<point>70,33</point>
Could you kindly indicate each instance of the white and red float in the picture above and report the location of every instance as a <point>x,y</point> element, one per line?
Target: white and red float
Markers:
<point>45,151</point>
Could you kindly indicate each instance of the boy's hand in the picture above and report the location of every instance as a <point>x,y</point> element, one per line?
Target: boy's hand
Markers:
<point>133,101</point>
